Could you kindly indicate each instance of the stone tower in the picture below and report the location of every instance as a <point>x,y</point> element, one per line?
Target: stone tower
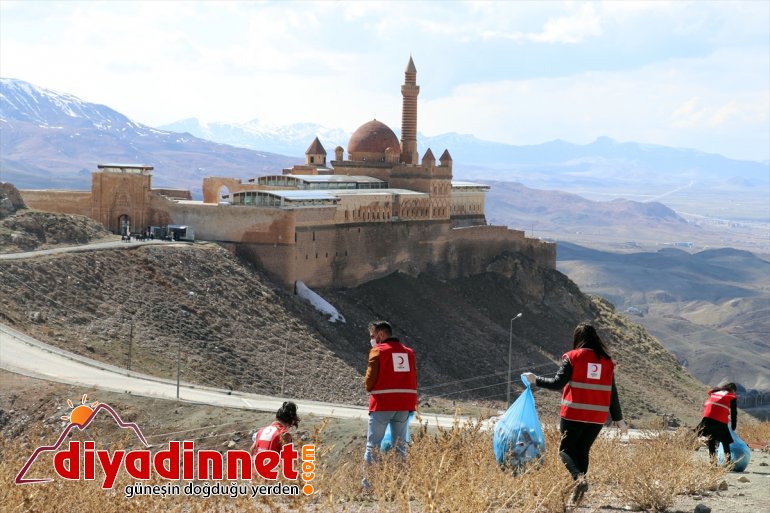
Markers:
<point>409,91</point>
<point>315,155</point>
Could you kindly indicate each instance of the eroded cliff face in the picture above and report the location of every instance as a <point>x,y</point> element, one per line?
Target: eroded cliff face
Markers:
<point>240,330</point>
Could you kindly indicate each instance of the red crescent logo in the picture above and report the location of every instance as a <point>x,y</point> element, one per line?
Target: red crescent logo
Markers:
<point>401,360</point>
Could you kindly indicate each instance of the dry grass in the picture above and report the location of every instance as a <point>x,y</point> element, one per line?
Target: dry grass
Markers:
<point>451,470</point>
<point>754,432</point>
<point>649,473</point>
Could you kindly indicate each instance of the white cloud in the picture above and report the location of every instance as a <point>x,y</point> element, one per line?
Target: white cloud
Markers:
<point>571,29</point>
<point>665,103</point>
<point>340,64</point>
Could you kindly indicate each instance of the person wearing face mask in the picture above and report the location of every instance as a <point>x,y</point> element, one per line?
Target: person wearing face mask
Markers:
<point>391,380</point>
<point>372,340</point>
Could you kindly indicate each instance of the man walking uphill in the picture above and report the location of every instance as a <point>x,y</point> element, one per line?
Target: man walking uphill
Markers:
<point>391,379</point>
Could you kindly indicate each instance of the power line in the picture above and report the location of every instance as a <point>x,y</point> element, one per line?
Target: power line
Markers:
<point>447,383</point>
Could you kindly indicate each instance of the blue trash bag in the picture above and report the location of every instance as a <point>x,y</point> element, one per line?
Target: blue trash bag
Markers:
<point>387,440</point>
<point>518,437</point>
<point>740,454</point>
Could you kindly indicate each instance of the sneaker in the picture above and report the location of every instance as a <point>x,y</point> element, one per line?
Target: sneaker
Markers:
<point>366,485</point>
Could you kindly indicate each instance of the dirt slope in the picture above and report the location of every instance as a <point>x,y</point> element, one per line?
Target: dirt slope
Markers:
<point>236,329</point>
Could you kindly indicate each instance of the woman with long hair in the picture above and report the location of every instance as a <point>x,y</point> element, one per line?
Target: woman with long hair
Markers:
<point>587,380</point>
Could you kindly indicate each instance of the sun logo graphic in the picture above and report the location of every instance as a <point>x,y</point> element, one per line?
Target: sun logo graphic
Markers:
<point>80,414</point>
<point>176,461</point>
<point>80,417</point>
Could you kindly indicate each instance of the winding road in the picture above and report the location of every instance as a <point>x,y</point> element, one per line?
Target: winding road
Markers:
<point>22,354</point>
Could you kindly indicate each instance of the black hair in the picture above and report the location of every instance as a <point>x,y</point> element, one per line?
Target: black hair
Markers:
<point>726,386</point>
<point>586,337</point>
<point>383,326</point>
<point>287,413</point>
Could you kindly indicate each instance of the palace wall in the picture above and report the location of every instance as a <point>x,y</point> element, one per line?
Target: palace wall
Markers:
<point>230,223</point>
<point>349,255</point>
<point>308,244</point>
<point>66,202</point>
<point>474,247</point>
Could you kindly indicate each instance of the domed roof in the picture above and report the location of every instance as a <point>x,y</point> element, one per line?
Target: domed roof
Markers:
<point>373,137</point>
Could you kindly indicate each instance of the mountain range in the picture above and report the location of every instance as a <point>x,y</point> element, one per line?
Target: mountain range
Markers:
<point>55,140</point>
<point>596,163</point>
<point>604,153</point>
<point>710,308</point>
<point>50,139</point>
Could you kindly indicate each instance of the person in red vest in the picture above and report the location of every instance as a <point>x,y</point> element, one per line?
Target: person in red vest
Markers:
<point>276,435</point>
<point>721,404</point>
<point>587,380</point>
<point>391,380</point>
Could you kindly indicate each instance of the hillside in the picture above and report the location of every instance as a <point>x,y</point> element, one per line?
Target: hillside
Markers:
<point>237,330</point>
<point>622,225</point>
<point>710,308</point>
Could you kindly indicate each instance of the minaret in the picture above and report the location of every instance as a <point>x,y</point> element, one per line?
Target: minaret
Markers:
<point>409,91</point>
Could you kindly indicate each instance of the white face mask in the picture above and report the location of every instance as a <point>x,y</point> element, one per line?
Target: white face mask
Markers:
<point>373,342</point>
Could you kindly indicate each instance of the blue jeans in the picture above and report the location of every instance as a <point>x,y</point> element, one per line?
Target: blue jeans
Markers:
<point>378,422</point>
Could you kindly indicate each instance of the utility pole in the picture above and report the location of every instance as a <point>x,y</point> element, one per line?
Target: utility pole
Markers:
<point>178,359</point>
<point>285,355</point>
<point>191,294</point>
<point>510,353</point>
<point>130,342</point>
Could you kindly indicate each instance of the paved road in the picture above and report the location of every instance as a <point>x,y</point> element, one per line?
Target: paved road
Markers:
<point>22,354</point>
<point>25,355</point>
<point>96,246</point>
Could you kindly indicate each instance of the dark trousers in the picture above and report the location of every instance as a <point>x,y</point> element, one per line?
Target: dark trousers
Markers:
<point>716,432</point>
<point>576,442</point>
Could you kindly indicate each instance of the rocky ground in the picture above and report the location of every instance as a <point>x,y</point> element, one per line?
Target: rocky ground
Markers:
<point>747,491</point>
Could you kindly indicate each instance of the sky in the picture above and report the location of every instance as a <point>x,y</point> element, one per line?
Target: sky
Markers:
<point>684,74</point>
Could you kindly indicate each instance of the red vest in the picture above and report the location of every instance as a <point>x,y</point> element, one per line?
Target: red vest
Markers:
<point>395,388</point>
<point>269,438</point>
<point>717,406</point>
<point>586,398</point>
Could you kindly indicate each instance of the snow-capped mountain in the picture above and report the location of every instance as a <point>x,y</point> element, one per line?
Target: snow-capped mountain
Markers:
<point>285,139</point>
<point>50,139</point>
<point>22,101</point>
